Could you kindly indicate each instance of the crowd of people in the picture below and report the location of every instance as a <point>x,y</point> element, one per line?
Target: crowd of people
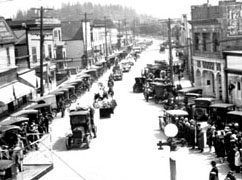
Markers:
<point>225,143</point>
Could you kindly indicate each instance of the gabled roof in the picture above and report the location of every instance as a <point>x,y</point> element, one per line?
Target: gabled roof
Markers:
<point>72,31</point>
<point>6,34</point>
<point>21,37</point>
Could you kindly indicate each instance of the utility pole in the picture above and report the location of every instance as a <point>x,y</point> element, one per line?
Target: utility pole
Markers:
<point>125,28</point>
<point>169,21</point>
<point>41,51</point>
<point>119,34</point>
<point>106,45</point>
<point>134,31</point>
<point>170,51</point>
<point>85,42</point>
<point>41,9</point>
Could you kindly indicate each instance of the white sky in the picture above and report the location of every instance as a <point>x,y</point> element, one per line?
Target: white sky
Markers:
<point>158,8</point>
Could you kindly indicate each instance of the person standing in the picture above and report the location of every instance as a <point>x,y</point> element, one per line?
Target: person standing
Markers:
<point>237,160</point>
<point>230,176</point>
<point>62,107</point>
<point>200,138</point>
<point>213,175</point>
<point>209,134</point>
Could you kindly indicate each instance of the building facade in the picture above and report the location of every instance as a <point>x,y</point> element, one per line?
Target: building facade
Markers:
<point>208,64</point>
<point>216,32</point>
<point>14,94</point>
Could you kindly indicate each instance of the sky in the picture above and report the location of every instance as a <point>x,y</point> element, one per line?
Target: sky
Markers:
<point>158,8</point>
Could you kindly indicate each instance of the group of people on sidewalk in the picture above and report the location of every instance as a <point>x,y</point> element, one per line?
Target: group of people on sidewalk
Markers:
<point>227,144</point>
<point>214,173</point>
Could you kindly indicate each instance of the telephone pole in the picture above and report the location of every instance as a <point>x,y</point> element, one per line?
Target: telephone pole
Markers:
<point>106,45</point>
<point>119,34</point>
<point>41,9</point>
<point>134,31</point>
<point>85,41</point>
<point>125,28</point>
<point>169,21</point>
<point>170,51</point>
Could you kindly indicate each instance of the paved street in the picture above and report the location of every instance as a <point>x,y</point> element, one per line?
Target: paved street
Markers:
<point>125,147</point>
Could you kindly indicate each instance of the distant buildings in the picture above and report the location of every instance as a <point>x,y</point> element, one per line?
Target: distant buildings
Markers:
<point>68,47</point>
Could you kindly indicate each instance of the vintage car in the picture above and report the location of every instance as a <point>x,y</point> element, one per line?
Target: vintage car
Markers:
<point>218,114</point>
<point>235,117</point>
<point>169,116</point>
<point>11,154</point>
<point>138,87</point>
<point>52,100</point>
<point>125,65</point>
<point>201,109</point>
<point>117,75</point>
<point>80,121</point>
<point>190,93</point>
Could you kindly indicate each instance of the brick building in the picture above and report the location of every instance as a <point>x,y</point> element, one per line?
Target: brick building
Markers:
<point>214,31</point>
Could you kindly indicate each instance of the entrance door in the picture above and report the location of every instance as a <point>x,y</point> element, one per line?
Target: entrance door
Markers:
<point>10,108</point>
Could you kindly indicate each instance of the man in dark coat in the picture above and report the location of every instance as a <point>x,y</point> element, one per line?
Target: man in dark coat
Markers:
<point>213,175</point>
<point>200,138</point>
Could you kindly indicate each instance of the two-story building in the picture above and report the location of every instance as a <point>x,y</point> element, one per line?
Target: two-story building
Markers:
<point>14,94</point>
<point>216,32</point>
<point>77,36</point>
<point>27,51</point>
<point>208,64</point>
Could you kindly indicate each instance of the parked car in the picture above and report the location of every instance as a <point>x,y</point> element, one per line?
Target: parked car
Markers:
<point>125,65</point>
<point>137,49</point>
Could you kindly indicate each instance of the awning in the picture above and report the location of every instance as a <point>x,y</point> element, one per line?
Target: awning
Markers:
<point>33,80</point>
<point>13,91</point>
<point>20,89</point>
<point>6,94</point>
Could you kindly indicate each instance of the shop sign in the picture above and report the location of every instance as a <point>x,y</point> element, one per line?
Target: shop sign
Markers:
<point>234,20</point>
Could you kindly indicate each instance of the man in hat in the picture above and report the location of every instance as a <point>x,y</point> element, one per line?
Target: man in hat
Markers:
<point>213,175</point>
<point>230,176</point>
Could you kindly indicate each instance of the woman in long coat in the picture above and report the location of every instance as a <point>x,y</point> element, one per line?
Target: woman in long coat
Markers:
<point>221,148</point>
<point>209,134</point>
<point>200,140</point>
<point>237,160</point>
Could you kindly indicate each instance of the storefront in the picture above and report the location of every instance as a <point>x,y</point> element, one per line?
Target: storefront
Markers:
<point>209,74</point>
<point>233,77</point>
<point>15,96</point>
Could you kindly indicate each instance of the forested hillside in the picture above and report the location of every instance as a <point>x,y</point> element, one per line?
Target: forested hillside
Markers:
<point>144,24</point>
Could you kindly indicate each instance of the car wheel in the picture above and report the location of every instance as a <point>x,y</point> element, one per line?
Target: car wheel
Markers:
<point>67,103</point>
<point>73,98</point>
<point>54,112</point>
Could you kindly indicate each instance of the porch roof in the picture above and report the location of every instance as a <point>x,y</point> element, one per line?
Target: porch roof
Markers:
<point>233,53</point>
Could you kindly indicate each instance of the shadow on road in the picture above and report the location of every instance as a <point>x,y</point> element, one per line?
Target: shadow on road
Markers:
<point>159,135</point>
<point>60,144</point>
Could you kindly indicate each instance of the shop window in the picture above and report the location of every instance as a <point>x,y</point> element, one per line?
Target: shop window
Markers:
<point>238,86</point>
<point>215,42</point>
<point>205,41</point>
<point>24,99</point>
<point>198,63</point>
<point>208,65</point>
<point>208,82</point>
<point>11,107</point>
<point>8,56</point>
<point>218,65</point>
<point>50,50</point>
<point>34,54</point>
<point>59,35</point>
<point>55,34</point>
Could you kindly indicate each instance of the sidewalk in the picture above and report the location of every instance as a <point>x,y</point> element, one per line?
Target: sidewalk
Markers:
<point>191,164</point>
